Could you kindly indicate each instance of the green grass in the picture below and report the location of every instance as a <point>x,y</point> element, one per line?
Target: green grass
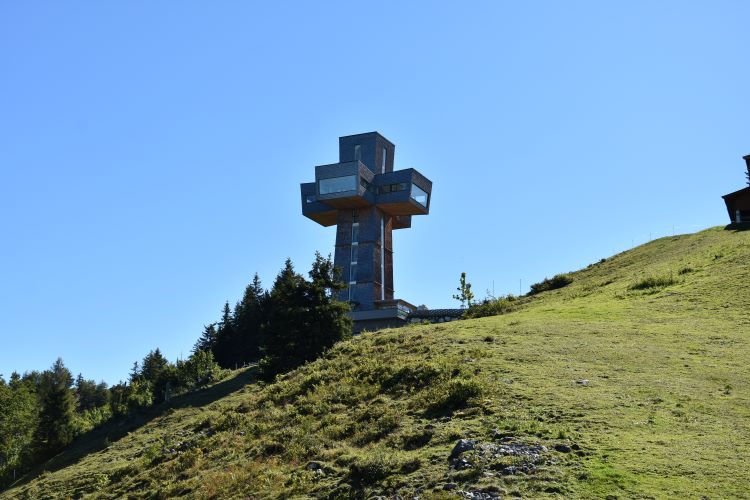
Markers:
<point>646,385</point>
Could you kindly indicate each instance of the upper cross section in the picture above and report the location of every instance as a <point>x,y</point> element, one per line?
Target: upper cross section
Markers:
<point>364,177</point>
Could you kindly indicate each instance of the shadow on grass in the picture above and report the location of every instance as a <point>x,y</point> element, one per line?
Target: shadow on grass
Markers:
<point>738,226</point>
<point>99,438</point>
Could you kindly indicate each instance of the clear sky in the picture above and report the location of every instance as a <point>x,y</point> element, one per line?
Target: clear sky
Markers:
<point>151,152</point>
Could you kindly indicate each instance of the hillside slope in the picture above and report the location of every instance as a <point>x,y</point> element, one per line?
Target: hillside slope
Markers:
<point>632,382</point>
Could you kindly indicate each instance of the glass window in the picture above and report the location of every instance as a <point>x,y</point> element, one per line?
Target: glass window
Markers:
<point>382,167</point>
<point>337,184</point>
<point>355,232</point>
<point>357,152</point>
<point>418,195</point>
<point>311,198</point>
<point>351,291</point>
<point>353,273</point>
<point>392,188</point>
<point>355,252</point>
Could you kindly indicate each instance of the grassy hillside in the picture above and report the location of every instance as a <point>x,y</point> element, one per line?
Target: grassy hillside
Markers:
<point>630,382</point>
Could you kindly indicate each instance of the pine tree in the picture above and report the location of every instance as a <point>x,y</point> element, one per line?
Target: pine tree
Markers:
<point>135,372</point>
<point>225,339</point>
<point>249,315</point>
<point>304,317</point>
<point>89,394</point>
<point>207,340</point>
<point>153,364</point>
<point>330,322</point>
<point>286,322</point>
<point>153,370</point>
<point>55,429</point>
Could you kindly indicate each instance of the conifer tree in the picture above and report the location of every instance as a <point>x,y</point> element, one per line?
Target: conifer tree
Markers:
<point>153,364</point>
<point>286,322</point>
<point>135,372</point>
<point>329,322</point>
<point>225,339</point>
<point>207,340</point>
<point>304,317</point>
<point>249,315</point>
<point>55,429</point>
<point>89,394</point>
<point>153,370</point>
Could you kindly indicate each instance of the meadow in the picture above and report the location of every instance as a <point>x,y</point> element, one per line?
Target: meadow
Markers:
<point>629,382</point>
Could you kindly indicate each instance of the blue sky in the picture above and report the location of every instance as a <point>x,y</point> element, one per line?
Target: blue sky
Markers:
<point>151,152</point>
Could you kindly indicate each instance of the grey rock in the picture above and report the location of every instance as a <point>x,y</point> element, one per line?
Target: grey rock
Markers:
<point>479,495</point>
<point>512,470</point>
<point>450,486</point>
<point>562,448</point>
<point>462,446</point>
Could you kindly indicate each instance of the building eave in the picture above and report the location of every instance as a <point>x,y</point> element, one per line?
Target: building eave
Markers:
<point>736,193</point>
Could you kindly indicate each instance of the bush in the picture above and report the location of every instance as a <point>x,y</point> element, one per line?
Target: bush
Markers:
<point>492,307</point>
<point>653,282</point>
<point>454,395</point>
<point>198,370</point>
<point>416,440</point>
<point>139,395</point>
<point>379,465</point>
<point>89,419</point>
<point>377,428</point>
<point>557,281</point>
<point>413,377</point>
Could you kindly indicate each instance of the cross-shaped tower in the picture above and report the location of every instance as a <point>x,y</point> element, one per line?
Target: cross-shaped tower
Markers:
<point>366,199</point>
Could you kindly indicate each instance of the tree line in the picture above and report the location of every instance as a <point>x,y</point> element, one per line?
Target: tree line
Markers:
<point>292,323</point>
<point>42,412</point>
<point>282,328</point>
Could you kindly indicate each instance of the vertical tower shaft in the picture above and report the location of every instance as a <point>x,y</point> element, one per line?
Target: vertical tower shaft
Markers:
<point>364,253</point>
